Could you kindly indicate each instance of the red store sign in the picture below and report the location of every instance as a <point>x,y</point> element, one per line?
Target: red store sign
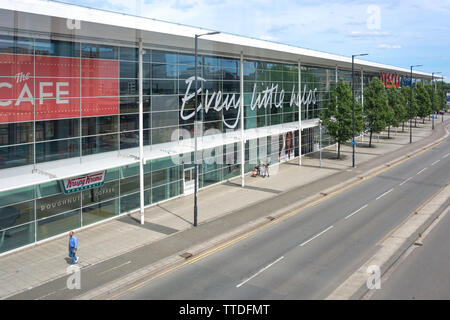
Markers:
<point>391,80</point>
<point>56,87</point>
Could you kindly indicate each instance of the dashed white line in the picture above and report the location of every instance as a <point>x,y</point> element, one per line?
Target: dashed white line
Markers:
<point>435,162</point>
<point>260,271</point>
<point>446,155</point>
<point>351,214</point>
<point>422,170</point>
<point>405,181</point>
<point>317,235</point>
<point>384,194</point>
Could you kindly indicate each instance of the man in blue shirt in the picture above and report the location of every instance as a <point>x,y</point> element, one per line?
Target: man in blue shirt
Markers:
<point>73,247</point>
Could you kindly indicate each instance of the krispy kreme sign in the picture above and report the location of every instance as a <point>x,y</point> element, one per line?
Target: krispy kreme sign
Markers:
<point>84,182</point>
<point>43,88</point>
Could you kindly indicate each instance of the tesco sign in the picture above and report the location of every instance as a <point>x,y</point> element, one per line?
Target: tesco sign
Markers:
<point>41,87</point>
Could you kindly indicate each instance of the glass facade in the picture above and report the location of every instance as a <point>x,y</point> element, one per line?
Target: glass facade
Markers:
<point>65,95</point>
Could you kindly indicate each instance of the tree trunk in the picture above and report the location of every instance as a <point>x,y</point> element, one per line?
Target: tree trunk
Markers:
<point>339,150</point>
<point>403,126</point>
<point>415,122</point>
<point>423,121</point>
<point>370,140</point>
<point>389,132</point>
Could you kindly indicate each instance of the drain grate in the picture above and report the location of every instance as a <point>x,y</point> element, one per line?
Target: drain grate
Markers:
<point>186,255</point>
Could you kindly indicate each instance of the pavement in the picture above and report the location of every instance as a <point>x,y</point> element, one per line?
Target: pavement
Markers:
<point>39,272</point>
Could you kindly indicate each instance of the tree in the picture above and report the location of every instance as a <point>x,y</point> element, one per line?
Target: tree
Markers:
<point>337,116</point>
<point>404,93</point>
<point>375,107</point>
<point>423,101</point>
<point>432,95</point>
<point>396,106</point>
<point>411,113</point>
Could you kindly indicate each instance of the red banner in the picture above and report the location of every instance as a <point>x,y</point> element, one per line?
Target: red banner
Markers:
<point>44,88</point>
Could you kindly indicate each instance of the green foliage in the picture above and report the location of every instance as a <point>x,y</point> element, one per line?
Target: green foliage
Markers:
<point>397,106</point>
<point>376,108</point>
<point>337,117</point>
<point>395,111</point>
<point>423,101</point>
<point>406,93</point>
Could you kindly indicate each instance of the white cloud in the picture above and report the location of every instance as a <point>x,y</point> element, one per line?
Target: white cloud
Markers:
<point>389,46</point>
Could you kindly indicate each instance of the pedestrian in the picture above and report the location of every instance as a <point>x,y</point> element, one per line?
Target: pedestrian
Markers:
<point>263,169</point>
<point>73,247</point>
<point>266,165</point>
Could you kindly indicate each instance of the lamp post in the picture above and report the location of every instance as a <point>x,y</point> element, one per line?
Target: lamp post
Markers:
<point>353,101</point>
<point>196,126</point>
<point>410,103</point>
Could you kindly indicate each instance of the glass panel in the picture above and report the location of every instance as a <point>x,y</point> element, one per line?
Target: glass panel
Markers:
<point>107,191</point>
<point>129,203</point>
<point>99,51</point>
<point>16,156</point>
<point>53,205</point>
<point>99,125</point>
<point>16,214</point>
<point>16,237</point>
<point>160,193</point>
<point>15,196</point>
<point>130,170</point>
<point>55,150</point>
<point>98,144</point>
<point>16,133</point>
<point>57,48</point>
<point>129,185</point>
<point>47,189</point>
<point>61,223</point>
<point>100,211</point>
<point>57,129</point>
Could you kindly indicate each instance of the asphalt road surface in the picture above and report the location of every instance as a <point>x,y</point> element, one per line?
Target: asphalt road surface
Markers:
<point>309,254</point>
<point>425,272</point>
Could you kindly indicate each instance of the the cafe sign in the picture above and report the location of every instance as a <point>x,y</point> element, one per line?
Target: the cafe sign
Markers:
<point>88,181</point>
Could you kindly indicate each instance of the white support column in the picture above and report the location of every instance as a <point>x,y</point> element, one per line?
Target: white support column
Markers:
<point>336,81</point>
<point>299,114</point>
<point>141,134</point>
<point>362,100</point>
<point>242,121</point>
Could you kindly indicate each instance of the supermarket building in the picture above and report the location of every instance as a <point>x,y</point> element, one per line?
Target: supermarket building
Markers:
<point>86,137</point>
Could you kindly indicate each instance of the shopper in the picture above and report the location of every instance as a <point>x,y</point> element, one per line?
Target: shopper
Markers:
<point>73,247</point>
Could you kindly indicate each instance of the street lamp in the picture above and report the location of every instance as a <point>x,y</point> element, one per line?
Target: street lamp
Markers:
<point>196,125</point>
<point>353,101</point>
<point>410,104</point>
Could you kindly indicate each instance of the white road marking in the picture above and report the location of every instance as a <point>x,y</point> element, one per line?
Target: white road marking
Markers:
<point>123,264</point>
<point>446,155</point>
<point>317,235</point>
<point>435,162</point>
<point>384,193</point>
<point>405,181</point>
<point>260,271</point>
<point>351,214</point>
<point>422,170</point>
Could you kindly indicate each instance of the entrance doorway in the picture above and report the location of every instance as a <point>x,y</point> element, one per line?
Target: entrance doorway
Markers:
<point>189,182</point>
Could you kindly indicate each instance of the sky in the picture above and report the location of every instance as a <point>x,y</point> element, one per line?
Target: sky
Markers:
<point>400,33</point>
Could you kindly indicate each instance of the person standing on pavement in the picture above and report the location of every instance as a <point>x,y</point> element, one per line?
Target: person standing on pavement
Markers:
<point>266,165</point>
<point>73,247</point>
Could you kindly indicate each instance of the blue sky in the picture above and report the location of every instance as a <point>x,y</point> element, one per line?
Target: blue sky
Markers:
<point>400,33</point>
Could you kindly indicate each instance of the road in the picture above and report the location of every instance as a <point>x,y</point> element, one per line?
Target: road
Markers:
<point>309,254</point>
<point>424,272</point>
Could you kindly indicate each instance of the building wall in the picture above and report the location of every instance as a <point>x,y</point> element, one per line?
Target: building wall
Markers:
<point>96,111</point>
